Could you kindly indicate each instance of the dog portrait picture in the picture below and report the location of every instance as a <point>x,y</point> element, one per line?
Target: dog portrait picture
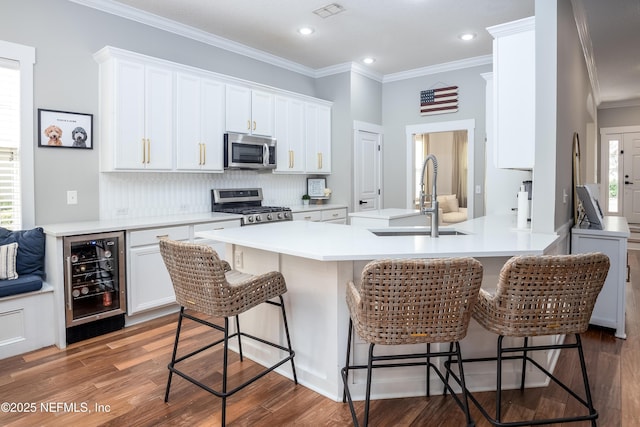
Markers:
<point>64,129</point>
<point>54,133</point>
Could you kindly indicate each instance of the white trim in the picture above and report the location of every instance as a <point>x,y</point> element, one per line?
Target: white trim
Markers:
<point>174,27</point>
<point>439,68</point>
<point>468,125</point>
<point>26,56</point>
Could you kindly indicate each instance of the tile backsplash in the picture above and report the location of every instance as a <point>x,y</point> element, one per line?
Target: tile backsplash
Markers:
<point>142,194</point>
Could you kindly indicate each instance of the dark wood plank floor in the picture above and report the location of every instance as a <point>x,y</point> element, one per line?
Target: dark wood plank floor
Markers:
<point>118,380</point>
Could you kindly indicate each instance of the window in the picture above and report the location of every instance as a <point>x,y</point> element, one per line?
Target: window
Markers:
<point>613,187</point>
<point>10,212</point>
<point>17,201</point>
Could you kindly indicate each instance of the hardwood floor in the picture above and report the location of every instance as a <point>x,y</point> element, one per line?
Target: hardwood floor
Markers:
<point>119,379</point>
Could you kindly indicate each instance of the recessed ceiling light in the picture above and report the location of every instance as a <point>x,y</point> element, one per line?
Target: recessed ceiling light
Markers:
<point>369,60</point>
<point>467,36</point>
<point>305,31</point>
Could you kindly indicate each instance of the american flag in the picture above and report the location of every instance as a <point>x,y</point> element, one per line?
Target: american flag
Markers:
<point>438,101</point>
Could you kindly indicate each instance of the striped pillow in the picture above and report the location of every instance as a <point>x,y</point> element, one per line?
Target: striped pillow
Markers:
<point>8,261</point>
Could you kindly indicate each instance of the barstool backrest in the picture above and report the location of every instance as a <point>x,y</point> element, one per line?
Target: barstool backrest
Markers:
<point>197,274</point>
<point>545,295</point>
<point>409,301</point>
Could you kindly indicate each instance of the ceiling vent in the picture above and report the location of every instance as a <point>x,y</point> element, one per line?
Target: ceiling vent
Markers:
<point>329,10</point>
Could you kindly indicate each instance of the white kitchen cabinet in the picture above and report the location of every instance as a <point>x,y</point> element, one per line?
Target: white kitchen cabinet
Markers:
<point>137,116</point>
<point>319,213</point>
<point>199,123</point>
<point>249,111</point>
<point>290,134</point>
<point>514,93</point>
<point>318,138</point>
<point>148,283</point>
<point>609,310</point>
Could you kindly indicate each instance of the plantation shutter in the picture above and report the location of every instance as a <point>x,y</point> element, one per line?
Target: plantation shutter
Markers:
<point>10,213</point>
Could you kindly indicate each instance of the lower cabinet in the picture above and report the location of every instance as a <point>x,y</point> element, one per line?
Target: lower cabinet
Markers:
<point>334,215</point>
<point>148,283</point>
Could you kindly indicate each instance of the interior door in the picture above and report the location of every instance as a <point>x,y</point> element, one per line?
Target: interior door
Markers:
<point>367,171</point>
<point>631,177</point>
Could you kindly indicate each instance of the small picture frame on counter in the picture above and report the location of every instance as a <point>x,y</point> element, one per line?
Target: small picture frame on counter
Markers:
<point>315,188</point>
<point>62,129</point>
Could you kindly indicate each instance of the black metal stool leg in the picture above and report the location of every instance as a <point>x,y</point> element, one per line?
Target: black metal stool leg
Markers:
<point>499,379</point>
<point>173,356</point>
<point>224,370</point>
<point>524,364</point>
<point>463,385</point>
<point>346,364</point>
<point>239,341</point>
<point>368,393</point>
<point>429,370</point>
<point>587,389</point>
<point>286,331</point>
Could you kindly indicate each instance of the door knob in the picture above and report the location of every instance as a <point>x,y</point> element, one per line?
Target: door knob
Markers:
<point>627,182</point>
<point>363,202</point>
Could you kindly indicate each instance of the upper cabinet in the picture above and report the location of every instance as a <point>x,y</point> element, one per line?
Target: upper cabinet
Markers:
<point>514,93</point>
<point>318,138</point>
<point>157,115</point>
<point>290,135</point>
<point>136,116</point>
<point>199,123</point>
<point>249,111</point>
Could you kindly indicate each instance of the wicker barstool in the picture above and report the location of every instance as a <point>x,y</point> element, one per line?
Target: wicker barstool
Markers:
<point>412,301</point>
<point>205,284</point>
<point>538,296</point>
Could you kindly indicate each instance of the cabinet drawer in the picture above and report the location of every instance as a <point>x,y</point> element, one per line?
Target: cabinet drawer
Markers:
<point>151,236</point>
<point>307,216</point>
<point>218,225</point>
<point>333,214</point>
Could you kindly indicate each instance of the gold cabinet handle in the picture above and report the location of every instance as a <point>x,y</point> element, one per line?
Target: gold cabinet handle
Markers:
<point>204,154</point>
<point>291,159</point>
<point>144,151</point>
<point>319,160</point>
<point>148,150</point>
<point>248,124</point>
<point>254,125</point>
<point>199,153</point>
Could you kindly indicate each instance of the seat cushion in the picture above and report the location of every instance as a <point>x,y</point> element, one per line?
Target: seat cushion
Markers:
<point>30,259</point>
<point>26,283</point>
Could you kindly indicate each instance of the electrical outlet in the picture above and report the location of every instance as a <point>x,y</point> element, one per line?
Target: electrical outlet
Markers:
<point>72,197</point>
<point>478,189</point>
<point>238,259</point>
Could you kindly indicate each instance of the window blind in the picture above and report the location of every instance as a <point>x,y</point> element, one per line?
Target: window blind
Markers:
<point>10,215</point>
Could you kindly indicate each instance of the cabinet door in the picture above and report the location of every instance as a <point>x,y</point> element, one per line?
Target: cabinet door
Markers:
<point>159,118</point>
<point>261,113</point>
<point>290,134</point>
<point>129,142</point>
<point>150,285</point>
<point>318,138</point>
<point>199,115</point>
<point>238,109</point>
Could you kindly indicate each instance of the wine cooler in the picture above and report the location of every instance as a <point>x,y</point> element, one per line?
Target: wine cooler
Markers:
<point>94,284</point>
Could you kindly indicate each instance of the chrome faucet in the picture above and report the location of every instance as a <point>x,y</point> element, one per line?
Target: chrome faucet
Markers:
<point>433,210</point>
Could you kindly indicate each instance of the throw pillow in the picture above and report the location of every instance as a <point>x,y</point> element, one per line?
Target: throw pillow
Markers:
<point>8,255</point>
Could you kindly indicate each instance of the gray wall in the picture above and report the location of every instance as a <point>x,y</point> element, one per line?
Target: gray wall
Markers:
<point>621,116</point>
<point>401,107</point>
<point>65,36</point>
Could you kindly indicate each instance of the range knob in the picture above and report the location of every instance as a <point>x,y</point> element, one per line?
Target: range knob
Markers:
<point>279,215</point>
<point>250,218</point>
<point>258,218</point>
<point>287,214</point>
<point>269,217</point>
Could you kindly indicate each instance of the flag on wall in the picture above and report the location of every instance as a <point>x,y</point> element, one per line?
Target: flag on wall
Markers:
<point>439,101</point>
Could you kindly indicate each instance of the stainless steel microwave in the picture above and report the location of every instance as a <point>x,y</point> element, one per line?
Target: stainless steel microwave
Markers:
<point>249,152</point>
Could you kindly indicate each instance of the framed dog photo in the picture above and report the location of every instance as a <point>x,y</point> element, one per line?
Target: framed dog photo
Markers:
<point>64,129</point>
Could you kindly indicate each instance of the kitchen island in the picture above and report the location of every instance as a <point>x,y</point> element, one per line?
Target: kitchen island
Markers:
<point>319,259</point>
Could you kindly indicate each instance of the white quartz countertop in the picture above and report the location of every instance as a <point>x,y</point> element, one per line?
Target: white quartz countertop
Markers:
<point>486,237</point>
<point>390,213</point>
<point>323,207</point>
<point>615,226</point>
<point>101,226</point>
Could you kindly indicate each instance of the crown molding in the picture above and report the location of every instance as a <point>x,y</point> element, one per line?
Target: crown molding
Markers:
<point>514,27</point>
<point>168,25</point>
<point>620,104</point>
<point>146,18</point>
<point>580,17</point>
<point>439,68</point>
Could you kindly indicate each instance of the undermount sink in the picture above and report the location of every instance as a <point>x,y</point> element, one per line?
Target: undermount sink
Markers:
<point>414,232</point>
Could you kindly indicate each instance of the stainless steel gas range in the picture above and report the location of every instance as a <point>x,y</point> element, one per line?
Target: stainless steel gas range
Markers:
<point>248,203</point>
